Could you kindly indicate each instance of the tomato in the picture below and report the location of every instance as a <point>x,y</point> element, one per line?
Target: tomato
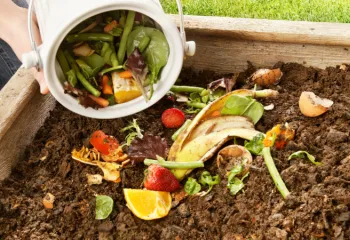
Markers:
<point>103,143</point>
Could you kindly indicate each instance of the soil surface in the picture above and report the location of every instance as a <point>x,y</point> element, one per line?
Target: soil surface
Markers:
<point>317,209</point>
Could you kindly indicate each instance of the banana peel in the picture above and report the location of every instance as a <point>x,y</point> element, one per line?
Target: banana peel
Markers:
<point>218,124</point>
<point>207,113</point>
<point>204,147</point>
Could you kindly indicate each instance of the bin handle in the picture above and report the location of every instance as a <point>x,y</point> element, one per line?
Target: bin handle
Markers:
<point>38,63</point>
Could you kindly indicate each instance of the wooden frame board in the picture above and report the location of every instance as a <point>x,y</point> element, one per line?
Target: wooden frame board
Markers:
<point>223,45</point>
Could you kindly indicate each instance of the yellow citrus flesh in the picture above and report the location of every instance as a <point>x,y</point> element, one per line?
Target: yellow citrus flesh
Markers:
<point>146,204</point>
<point>126,90</point>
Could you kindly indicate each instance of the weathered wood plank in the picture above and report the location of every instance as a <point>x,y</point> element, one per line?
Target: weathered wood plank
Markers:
<point>336,34</point>
<point>226,55</point>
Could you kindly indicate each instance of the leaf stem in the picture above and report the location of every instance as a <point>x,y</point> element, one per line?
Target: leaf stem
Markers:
<point>274,172</point>
<point>175,165</point>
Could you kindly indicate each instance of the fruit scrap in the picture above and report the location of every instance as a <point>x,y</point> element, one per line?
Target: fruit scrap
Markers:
<point>158,178</point>
<point>279,136</point>
<point>103,143</point>
<point>86,155</point>
<point>173,118</point>
<point>94,179</point>
<point>267,77</point>
<point>146,204</point>
<point>312,106</point>
<point>48,201</point>
<point>116,155</point>
<point>110,170</point>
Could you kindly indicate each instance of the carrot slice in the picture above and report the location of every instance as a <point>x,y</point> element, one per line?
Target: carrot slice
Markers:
<point>110,26</point>
<point>100,101</point>
<point>125,74</point>
<point>106,88</point>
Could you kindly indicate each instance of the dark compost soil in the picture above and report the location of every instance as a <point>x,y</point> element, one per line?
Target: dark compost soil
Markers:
<point>317,209</point>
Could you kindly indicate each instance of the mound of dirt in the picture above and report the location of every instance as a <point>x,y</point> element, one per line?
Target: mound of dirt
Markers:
<point>317,209</point>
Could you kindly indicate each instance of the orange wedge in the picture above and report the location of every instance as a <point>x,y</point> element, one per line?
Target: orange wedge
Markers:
<point>146,204</point>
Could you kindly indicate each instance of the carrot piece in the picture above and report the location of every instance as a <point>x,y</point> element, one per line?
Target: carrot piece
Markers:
<point>100,101</point>
<point>125,74</point>
<point>110,26</point>
<point>106,88</point>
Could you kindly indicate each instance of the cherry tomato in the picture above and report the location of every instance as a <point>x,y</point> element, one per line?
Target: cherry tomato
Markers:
<point>103,143</point>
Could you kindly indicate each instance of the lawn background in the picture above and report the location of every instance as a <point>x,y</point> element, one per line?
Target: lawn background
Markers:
<point>304,10</point>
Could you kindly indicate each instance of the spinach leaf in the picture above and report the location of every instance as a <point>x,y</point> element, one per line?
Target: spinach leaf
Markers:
<point>95,61</point>
<point>104,206</point>
<point>243,106</point>
<point>192,186</point>
<point>304,154</point>
<point>156,54</point>
<point>256,145</point>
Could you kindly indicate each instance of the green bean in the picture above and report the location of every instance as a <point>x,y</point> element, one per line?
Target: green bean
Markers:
<point>114,59</point>
<point>87,85</point>
<point>144,43</point>
<point>181,129</point>
<point>109,55</point>
<point>174,165</point>
<point>128,27</point>
<point>196,104</point>
<point>71,61</point>
<point>81,37</point>
<point>72,77</point>
<point>104,71</point>
<point>186,89</point>
<point>62,61</point>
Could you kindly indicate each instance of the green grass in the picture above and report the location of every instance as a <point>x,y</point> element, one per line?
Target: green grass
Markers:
<point>304,10</point>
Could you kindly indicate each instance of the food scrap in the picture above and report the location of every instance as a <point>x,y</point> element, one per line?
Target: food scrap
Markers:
<point>173,118</point>
<point>304,154</point>
<point>313,106</point>
<point>158,178</point>
<point>147,204</point>
<point>48,200</point>
<point>112,60</point>
<point>267,77</point>
<point>104,207</point>
<point>279,136</point>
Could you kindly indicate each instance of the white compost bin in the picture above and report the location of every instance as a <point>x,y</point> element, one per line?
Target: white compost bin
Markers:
<point>56,18</point>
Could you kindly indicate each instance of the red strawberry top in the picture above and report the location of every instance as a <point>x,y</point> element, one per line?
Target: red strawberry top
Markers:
<point>173,118</point>
<point>158,178</point>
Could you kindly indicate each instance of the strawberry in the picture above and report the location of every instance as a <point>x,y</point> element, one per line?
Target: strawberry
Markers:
<point>173,118</point>
<point>158,178</point>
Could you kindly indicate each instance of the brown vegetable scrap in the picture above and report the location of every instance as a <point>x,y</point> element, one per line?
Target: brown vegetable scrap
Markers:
<point>48,201</point>
<point>267,77</point>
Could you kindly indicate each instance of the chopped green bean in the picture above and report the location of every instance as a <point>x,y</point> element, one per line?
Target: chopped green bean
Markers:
<point>82,37</point>
<point>128,27</point>
<point>188,89</point>
<point>62,61</point>
<point>88,85</point>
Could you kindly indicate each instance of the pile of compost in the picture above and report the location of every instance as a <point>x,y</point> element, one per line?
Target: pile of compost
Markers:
<point>318,207</point>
